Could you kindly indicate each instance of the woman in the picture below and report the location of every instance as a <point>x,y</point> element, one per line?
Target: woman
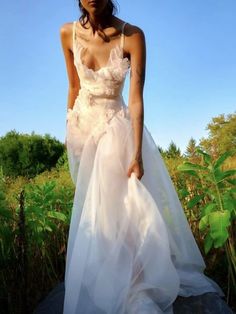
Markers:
<point>130,248</point>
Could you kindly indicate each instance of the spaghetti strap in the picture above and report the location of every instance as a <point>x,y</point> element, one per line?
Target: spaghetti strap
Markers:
<point>122,35</point>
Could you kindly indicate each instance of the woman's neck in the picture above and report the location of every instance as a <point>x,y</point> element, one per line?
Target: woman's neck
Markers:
<point>99,21</point>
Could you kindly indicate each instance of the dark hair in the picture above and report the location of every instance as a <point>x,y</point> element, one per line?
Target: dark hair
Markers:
<point>109,10</point>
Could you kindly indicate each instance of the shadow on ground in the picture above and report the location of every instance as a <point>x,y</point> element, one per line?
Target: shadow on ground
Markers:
<point>207,303</point>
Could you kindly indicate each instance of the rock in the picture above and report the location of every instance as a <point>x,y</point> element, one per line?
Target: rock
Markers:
<point>207,303</point>
<point>53,303</point>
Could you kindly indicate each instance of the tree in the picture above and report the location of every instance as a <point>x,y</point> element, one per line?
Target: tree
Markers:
<point>191,153</point>
<point>28,155</point>
<point>222,135</point>
<point>173,151</point>
<point>191,147</point>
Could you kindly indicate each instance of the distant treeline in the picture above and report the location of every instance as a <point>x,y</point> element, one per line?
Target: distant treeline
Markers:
<point>31,154</point>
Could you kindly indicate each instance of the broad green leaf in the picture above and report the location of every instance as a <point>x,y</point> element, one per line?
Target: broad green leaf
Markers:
<point>229,203</point>
<point>57,215</point>
<point>219,242</point>
<point>208,242</point>
<point>219,222</point>
<point>186,166</point>
<point>225,174</point>
<point>217,174</point>
<point>221,159</point>
<point>208,208</point>
<point>190,172</point>
<point>231,181</point>
<point>195,200</point>
<point>229,193</point>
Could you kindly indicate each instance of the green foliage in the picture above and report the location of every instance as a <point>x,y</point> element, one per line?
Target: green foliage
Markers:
<point>63,162</point>
<point>39,166</point>
<point>28,155</point>
<point>222,135</point>
<point>217,191</point>
<point>44,208</point>
<point>47,206</point>
<point>216,196</point>
<point>191,148</point>
<point>172,151</point>
<point>6,220</point>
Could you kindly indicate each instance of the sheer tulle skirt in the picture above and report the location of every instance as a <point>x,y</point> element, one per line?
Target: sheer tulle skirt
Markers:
<point>130,247</point>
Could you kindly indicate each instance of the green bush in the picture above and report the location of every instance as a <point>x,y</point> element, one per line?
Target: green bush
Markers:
<point>28,155</point>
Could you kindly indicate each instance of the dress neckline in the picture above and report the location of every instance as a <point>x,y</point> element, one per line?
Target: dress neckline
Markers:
<point>120,45</point>
<point>107,64</point>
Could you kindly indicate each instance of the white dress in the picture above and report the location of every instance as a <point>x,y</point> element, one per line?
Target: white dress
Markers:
<point>130,248</point>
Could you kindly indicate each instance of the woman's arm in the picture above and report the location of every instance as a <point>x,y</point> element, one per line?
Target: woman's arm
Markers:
<point>136,47</point>
<point>74,83</point>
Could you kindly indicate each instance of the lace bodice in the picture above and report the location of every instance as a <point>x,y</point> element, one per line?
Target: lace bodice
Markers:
<point>106,82</point>
<point>100,95</point>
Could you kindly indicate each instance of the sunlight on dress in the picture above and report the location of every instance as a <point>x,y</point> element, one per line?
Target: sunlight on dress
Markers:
<point>130,247</point>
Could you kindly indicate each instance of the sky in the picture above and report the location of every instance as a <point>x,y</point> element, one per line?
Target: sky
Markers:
<point>190,71</point>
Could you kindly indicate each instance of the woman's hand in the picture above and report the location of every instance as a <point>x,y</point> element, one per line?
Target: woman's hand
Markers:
<point>136,166</point>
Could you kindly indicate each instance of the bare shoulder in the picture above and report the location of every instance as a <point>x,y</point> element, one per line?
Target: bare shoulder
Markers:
<point>134,32</point>
<point>134,37</point>
<point>66,29</point>
<point>66,35</point>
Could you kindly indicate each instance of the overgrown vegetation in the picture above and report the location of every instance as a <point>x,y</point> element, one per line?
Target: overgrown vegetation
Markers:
<point>36,203</point>
<point>212,200</point>
<point>28,155</point>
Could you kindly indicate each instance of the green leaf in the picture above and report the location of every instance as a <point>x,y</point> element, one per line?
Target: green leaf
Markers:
<point>229,203</point>
<point>190,173</point>
<point>48,228</point>
<point>231,181</point>
<point>219,222</point>
<point>221,175</point>
<point>57,215</point>
<point>203,223</point>
<point>208,242</point>
<point>221,159</point>
<point>208,208</point>
<point>183,193</point>
<point>187,166</point>
<point>206,157</point>
<point>195,200</point>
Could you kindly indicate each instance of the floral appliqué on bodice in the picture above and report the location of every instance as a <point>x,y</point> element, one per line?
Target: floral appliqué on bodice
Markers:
<point>100,95</point>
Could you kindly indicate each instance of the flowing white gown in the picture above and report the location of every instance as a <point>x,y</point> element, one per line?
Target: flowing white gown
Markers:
<point>130,248</point>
